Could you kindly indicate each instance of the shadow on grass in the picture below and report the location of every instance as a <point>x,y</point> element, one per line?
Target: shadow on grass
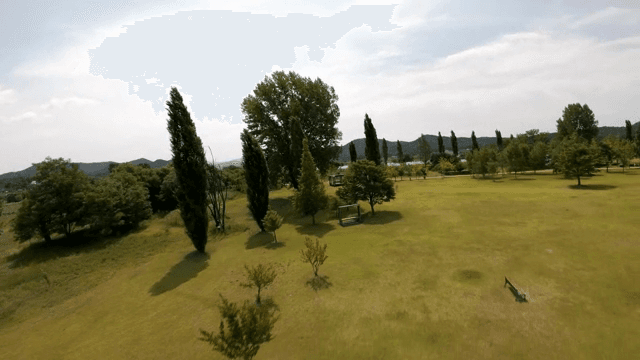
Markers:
<point>381,217</point>
<point>592,187</point>
<point>262,239</point>
<point>319,229</point>
<point>521,179</point>
<point>519,297</point>
<point>319,282</point>
<point>81,241</point>
<point>187,269</point>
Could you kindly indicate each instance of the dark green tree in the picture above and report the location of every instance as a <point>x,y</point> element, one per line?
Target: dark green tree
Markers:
<point>483,161</point>
<point>352,152</point>
<point>385,150</point>
<point>474,141</point>
<point>191,170</point>
<point>440,144</point>
<point>629,130</point>
<point>538,156</point>
<point>371,145</point>
<point>638,140</point>
<point>278,98</point>
<point>296,151</point>
<point>577,119</point>
<point>424,150</point>
<point>366,181</point>
<point>454,143</point>
<point>499,140</point>
<point>399,150</point>
<point>311,196</point>
<point>257,177</point>
<point>575,156</point>
<point>517,155</point>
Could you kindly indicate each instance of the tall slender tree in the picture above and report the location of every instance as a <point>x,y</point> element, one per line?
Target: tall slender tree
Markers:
<point>638,141</point>
<point>371,145</point>
<point>499,140</point>
<point>474,141</point>
<point>454,143</point>
<point>440,144</point>
<point>629,129</point>
<point>424,150</point>
<point>352,152</point>
<point>257,177</point>
<point>190,165</point>
<point>311,196</point>
<point>385,150</point>
<point>400,153</point>
<point>296,151</point>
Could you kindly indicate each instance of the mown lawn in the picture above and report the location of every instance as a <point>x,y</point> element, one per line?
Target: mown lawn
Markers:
<point>421,279</point>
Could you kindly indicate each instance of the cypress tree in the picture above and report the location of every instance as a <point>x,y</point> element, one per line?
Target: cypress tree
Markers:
<point>385,150</point>
<point>627,123</point>
<point>474,141</point>
<point>352,152</point>
<point>311,197</point>
<point>400,153</point>
<point>190,165</point>
<point>440,144</point>
<point>371,145</point>
<point>296,151</point>
<point>256,174</point>
<point>454,143</point>
<point>499,140</point>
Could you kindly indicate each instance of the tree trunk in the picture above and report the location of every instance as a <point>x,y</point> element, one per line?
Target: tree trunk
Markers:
<point>274,237</point>
<point>372,211</point>
<point>258,297</point>
<point>47,238</point>
<point>579,180</point>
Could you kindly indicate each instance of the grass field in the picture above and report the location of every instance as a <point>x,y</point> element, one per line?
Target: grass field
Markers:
<point>422,279</point>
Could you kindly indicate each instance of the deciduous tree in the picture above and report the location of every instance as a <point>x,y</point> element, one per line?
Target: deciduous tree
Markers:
<point>272,222</point>
<point>578,119</point>
<point>314,253</point>
<point>575,156</point>
<point>538,156</point>
<point>368,182</point>
<point>256,176</point>
<point>260,277</point>
<point>517,155</point>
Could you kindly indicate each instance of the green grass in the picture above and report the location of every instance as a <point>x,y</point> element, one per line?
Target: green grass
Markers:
<point>421,279</point>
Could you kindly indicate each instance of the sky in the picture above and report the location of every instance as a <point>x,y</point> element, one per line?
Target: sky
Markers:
<point>89,81</point>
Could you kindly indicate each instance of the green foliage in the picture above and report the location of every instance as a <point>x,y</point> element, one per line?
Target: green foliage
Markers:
<point>256,176</point>
<point>499,140</point>
<point>400,154</point>
<point>577,119</point>
<point>424,150</point>
<point>440,143</point>
<point>260,277</point>
<point>366,181</point>
<point>217,195</point>
<point>444,166</point>
<point>311,196</point>
<point>371,146</point>
<point>575,156</point>
<point>272,222</point>
<point>474,141</point>
<point>246,329</point>
<point>483,161</point>
<point>607,149</point>
<point>314,254</point>
<point>352,152</point>
<point>454,143</point>
<point>296,151</point>
<point>153,180</point>
<point>385,150</point>
<point>119,201</point>
<point>392,172</point>
<point>269,109</point>
<point>190,166</point>
<point>538,156</point>
<point>629,130</point>
<point>517,155</point>
<point>624,152</point>
<point>55,203</point>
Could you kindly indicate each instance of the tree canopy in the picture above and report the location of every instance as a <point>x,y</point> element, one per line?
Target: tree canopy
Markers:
<point>454,143</point>
<point>257,177</point>
<point>311,196</point>
<point>352,152</point>
<point>424,150</point>
<point>578,119</point>
<point>399,150</point>
<point>440,143</point>
<point>474,141</point>
<point>279,97</point>
<point>575,156</point>
<point>371,145</point>
<point>366,181</point>
<point>385,150</point>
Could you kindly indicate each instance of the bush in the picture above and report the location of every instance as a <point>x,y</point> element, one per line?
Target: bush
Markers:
<point>314,254</point>
<point>13,198</point>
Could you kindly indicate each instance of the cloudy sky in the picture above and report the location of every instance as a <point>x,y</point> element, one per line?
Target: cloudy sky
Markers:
<point>89,80</point>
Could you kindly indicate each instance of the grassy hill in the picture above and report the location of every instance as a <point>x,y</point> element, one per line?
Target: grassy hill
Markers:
<point>421,279</point>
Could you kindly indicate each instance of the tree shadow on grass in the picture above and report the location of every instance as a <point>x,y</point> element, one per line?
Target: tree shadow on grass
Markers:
<point>521,179</point>
<point>81,241</point>
<point>187,269</point>
<point>319,282</point>
<point>381,217</point>
<point>318,230</point>
<point>262,239</point>
<point>592,187</point>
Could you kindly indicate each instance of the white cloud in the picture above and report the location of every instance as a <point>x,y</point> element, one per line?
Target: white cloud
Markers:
<point>609,15</point>
<point>7,96</point>
<point>75,101</point>
<point>26,116</point>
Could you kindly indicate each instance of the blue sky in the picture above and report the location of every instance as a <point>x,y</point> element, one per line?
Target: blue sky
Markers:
<point>89,80</point>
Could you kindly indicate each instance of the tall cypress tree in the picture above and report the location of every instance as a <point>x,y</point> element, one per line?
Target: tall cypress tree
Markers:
<point>190,165</point>
<point>385,150</point>
<point>440,144</point>
<point>256,174</point>
<point>296,150</point>
<point>454,143</point>
<point>474,141</point>
<point>371,145</point>
<point>400,153</point>
<point>627,123</point>
<point>311,197</point>
<point>352,152</point>
<point>499,140</point>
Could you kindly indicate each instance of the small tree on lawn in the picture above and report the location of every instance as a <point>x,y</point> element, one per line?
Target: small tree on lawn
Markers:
<point>247,328</point>
<point>272,222</point>
<point>366,181</point>
<point>624,152</point>
<point>311,196</point>
<point>575,156</point>
<point>314,254</point>
<point>445,166</point>
<point>260,277</point>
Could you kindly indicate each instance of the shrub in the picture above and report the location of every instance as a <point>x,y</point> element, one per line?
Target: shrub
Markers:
<point>314,254</point>
<point>272,222</point>
<point>260,277</point>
